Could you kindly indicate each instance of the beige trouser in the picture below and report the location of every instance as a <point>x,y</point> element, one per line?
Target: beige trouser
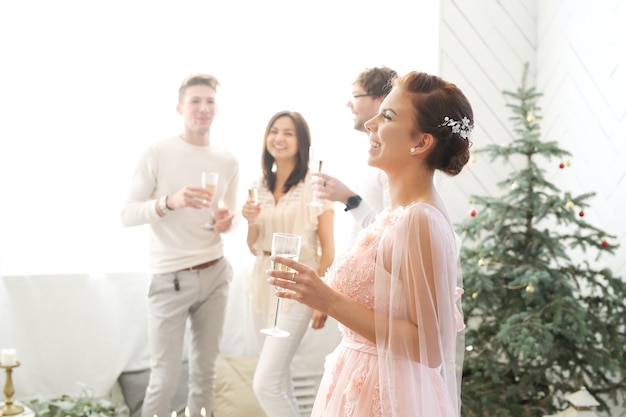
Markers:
<point>201,298</point>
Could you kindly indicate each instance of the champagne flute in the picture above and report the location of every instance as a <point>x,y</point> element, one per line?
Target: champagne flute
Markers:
<point>288,246</point>
<point>315,164</point>
<point>253,195</point>
<point>209,182</point>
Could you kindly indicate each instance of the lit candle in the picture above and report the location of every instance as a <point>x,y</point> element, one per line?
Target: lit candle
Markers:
<point>187,412</point>
<point>173,413</point>
<point>203,412</point>
<point>8,357</point>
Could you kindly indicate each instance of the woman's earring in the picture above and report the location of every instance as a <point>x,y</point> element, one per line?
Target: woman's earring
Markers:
<point>412,150</point>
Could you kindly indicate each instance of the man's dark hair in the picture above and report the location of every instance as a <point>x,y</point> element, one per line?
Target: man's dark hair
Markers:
<point>376,81</point>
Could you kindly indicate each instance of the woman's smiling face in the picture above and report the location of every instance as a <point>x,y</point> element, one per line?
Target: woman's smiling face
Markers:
<point>282,140</point>
<point>392,132</point>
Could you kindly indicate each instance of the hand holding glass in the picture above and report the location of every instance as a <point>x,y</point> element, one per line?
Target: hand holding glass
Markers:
<point>288,246</point>
<point>315,164</point>
<point>209,182</point>
<point>253,195</point>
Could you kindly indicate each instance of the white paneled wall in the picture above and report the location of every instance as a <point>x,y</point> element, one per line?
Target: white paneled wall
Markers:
<point>483,47</point>
<point>581,61</point>
<point>577,55</point>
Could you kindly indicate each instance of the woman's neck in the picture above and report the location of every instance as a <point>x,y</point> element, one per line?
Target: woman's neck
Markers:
<point>283,171</point>
<point>408,186</point>
<point>284,168</point>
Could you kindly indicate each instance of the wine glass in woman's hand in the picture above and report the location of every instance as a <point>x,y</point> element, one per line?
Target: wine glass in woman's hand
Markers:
<point>288,246</point>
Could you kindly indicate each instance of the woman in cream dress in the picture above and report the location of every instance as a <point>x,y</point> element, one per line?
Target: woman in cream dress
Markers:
<point>284,196</point>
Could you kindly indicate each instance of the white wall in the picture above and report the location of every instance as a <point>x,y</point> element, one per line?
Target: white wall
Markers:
<point>483,46</point>
<point>577,57</point>
<point>581,68</point>
<point>86,86</point>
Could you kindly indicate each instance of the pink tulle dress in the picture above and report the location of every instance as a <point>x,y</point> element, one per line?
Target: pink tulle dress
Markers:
<point>405,268</point>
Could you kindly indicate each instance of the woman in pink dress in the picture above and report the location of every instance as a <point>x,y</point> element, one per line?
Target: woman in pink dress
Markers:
<point>396,292</point>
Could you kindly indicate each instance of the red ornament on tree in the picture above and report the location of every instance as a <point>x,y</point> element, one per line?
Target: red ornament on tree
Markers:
<point>581,214</point>
<point>473,212</point>
<point>561,165</point>
<point>605,243</point>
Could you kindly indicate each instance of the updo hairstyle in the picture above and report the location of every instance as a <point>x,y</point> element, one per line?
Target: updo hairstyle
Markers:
<point>434,99</point>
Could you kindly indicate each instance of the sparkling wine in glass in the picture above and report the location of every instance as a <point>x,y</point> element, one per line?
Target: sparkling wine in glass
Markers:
<point>315,165</point>
<point>253,195</point>
<point>288,246</point>
<point>209,182</point>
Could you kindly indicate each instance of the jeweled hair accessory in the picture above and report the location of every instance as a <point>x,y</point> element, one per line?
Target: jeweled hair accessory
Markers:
<point>463,127</point>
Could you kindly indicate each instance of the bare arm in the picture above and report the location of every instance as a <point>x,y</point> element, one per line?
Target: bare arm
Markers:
<point>325,231</point>
<point>308,288</point>
<point>421,265</point>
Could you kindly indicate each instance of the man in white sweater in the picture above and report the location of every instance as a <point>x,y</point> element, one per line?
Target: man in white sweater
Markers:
<point>371,194</point>
<point>190,276</point>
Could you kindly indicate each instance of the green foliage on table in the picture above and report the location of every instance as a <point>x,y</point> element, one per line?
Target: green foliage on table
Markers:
<point>544,316</point>
<point>82,406</point>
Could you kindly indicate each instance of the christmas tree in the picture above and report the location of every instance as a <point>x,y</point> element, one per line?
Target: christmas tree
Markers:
<point>544,318</point>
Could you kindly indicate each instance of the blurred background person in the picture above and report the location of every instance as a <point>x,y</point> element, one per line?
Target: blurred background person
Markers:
<point>190,275</point>
<point>371,194</point>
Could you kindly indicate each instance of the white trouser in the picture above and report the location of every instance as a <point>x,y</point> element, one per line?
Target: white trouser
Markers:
<point>202,298</point>
<point>272,383</point>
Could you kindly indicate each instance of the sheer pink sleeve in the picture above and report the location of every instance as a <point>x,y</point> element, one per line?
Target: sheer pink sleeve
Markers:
<point>418,320</point>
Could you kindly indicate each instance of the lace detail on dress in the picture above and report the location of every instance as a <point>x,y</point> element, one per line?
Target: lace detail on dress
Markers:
<point>336,371</point>
<point>377,408</point>
<point>382,406</point>
<point>356,266</point>
<point>353,390</point>
<point>353,272</point>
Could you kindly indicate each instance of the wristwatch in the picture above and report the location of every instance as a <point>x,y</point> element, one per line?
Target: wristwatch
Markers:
<point>163,205</point>
<point>353,202</point>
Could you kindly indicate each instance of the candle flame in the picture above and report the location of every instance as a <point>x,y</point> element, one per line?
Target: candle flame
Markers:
<point>186,411</point>
<point>173,413</point>
<point>203,412</point>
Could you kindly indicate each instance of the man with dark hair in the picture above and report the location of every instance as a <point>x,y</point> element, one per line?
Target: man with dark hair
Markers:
<point>372,194</point>
<point>190,276</point>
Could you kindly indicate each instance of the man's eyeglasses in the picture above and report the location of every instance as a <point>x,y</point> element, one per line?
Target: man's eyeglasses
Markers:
<point>355,96</point>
